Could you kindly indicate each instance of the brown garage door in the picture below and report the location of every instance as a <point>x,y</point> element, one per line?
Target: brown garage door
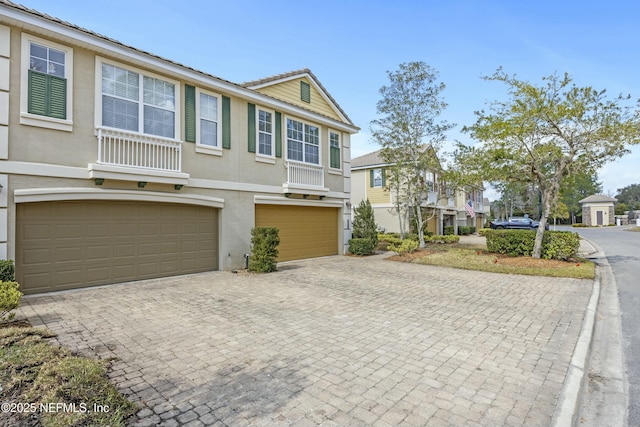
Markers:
<point>305,231</point>
<point>65,245</point>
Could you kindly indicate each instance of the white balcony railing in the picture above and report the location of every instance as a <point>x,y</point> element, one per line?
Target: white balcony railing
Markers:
<point>121,148</point>
<point>305,174</point>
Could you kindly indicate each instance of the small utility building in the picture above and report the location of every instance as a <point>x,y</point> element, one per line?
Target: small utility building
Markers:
<point>598,209</point>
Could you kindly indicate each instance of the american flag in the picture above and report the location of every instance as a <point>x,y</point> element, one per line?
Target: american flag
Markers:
<point>469,208</point>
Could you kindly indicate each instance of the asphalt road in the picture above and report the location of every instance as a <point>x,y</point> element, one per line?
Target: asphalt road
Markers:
<point>622,249</point>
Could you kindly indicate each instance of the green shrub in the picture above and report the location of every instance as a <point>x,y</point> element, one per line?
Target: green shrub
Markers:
<point>578,224</point>
<point>463,230</point>
<point>360,246</point>
<point>407,246</point>
<point>449,230</point>
<point>9,300</point>
<point>472,229</point>
<point>560,245</point>
<point>483,231</point>
<point>413,236</point>
<point>7,271</point>
<point>449,238</point>
<point>389,239</point>
<point>264,249</point>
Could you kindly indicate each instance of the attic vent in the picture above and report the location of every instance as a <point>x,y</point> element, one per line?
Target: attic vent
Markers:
<point>305,92</point>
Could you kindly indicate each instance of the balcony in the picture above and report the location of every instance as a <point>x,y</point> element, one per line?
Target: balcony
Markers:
<point>136,157</point>
<point>304,178</point>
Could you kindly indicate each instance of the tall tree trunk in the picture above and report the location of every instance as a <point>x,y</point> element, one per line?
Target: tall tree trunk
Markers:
<point>549,197</point>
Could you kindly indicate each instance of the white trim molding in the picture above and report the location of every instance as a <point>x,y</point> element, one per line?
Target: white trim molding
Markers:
<point>123,173</point>
<point>271,200</point>
<point>31,195</point>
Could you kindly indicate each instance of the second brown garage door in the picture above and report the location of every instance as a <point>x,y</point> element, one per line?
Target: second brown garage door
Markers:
<point>305,231</point>
<point>65,245</point>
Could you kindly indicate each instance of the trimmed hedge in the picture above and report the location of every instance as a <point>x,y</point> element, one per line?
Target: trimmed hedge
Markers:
<point>465,230</point>
<point>449,238</point>
<point>560,245</point>
<point>360,246</point>
<point>449,230</point>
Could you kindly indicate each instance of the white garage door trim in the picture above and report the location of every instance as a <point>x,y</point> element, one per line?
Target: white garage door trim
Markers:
<point>73,193</point>
<point>270,200</point>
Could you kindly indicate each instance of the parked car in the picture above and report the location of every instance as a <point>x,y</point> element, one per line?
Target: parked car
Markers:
<point>516,222</point>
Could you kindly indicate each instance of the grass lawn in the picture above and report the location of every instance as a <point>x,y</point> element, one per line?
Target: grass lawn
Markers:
<point>633,229</point>
<point>38,375</point>
<point>476,257</point>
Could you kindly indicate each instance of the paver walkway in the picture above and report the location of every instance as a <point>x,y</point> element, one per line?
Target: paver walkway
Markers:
<point>335,341</point>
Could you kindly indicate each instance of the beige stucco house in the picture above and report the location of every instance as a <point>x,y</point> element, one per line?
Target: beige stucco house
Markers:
<point>445,205</point>
<point>116,164</point>
<point>598,209</point>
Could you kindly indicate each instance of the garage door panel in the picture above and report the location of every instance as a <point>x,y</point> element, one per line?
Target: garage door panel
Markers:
<point>304,231</point>
<point>63,245</point>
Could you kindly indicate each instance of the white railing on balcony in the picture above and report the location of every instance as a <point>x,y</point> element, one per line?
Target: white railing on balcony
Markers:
<point>305,174</point>
<point>121,148</point>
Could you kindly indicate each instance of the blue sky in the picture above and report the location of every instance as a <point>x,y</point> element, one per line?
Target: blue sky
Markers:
<point>350,45</point>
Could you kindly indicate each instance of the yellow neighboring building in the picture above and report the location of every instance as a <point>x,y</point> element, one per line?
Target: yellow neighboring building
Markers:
<point>445,206</point>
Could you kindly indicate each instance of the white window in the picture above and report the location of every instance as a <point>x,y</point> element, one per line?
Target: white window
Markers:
<point>377,178</point>
<point>136,101</point>
<point>209,113</point>
<point>46,84</point>
<point>303,142</point>
<point>265,133</point>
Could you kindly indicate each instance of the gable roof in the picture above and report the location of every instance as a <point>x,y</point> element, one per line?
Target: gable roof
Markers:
<point>99,42</point>
<point>297,74</point>
<point>368,160</point>
<point>375,159</point>
<point>598,198</point>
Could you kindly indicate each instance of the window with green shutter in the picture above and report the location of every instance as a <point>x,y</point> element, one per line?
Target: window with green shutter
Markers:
<point>334,150</point>
<point>305,91</point>
<point>47,83</point>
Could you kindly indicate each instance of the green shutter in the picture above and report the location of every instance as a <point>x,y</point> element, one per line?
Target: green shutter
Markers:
<point>278,120</point>
<point>189,113</point>
<point>226,122</point>
<point>383,172</point>
<point>305,91</point>
<point>57,97</point>
<point>37,103</point>
<point>47,95</point>
<point>251,125</point>
<point>334,160</point>
<point>371,178</point>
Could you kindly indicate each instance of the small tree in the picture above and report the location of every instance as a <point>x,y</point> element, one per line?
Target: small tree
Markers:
<point>364,223</point>
<point>264,249</point>
<point>544,134</point>
<point>411,133</point>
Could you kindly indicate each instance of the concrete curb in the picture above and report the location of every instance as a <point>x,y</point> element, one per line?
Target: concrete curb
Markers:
<point>569,400</point>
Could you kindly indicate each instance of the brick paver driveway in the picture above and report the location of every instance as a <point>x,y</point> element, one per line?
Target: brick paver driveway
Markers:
<point>334,341</point>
